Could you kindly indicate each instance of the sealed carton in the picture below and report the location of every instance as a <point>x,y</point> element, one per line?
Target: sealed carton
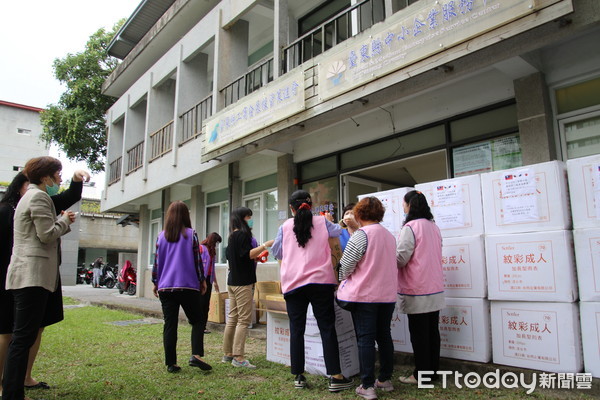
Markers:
<point>587,256</point>
<point>531,267</point>
<point>584,187</point>
<point>526,199</point>
<point>343,321</point>
<point>590,336</point>
<point>400,333</point>
<point>463,262</point>
<point>394,213</point>
<point>216,311</point>
<point>465,329</point>
<point>456,205</point>
<point>544,336</point>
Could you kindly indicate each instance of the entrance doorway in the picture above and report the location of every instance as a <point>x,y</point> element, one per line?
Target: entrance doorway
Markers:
<point>395,174</point>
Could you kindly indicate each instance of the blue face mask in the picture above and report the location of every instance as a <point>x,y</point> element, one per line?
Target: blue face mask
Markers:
<point>52,190</point>
<point>250,223</point>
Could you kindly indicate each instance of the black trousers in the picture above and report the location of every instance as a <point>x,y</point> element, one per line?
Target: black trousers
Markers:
<point>30,308</point>
<point>191,302</point>
<point>206,302</point>
<point>321,298</point>
<point>425,338</point>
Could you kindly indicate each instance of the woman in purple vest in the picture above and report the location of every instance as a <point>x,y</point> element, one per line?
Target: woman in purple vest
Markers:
<point>368,275</point>
<point>307,277</point>
<point>178,279</point>
<point>421,283</point>
<point>208,253</point>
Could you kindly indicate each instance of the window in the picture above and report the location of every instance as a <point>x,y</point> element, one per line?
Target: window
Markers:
<point>261,198</point>
<point>217,219</point>
<point>155,229</point>
<point>26,132</point>
<point>486,156</point>
<point>581,135</point>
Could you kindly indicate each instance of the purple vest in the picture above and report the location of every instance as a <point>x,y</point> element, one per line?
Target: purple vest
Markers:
<point>208,263</point>
<point>176,265</point>
<point>374,279</point>
<point>423,274</point>
<point>301,266</point>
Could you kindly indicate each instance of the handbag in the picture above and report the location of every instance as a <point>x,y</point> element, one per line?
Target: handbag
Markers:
<point>346,305</point>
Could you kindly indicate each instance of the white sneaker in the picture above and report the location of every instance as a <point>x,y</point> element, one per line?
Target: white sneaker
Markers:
<point>242,364</point>
<point>368,393</point>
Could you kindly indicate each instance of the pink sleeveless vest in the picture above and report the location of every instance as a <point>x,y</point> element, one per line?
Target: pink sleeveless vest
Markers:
<point>423,274</point>
<point>374,279</point>
<point>301,266</point>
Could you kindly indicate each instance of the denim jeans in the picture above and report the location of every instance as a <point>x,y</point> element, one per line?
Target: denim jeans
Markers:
<point>321,298</point>
<point>372,324</point>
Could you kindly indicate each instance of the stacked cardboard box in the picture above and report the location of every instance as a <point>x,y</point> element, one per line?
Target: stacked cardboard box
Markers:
<point>216,311</point>
<point>531,269</point>
<point>584,186</point>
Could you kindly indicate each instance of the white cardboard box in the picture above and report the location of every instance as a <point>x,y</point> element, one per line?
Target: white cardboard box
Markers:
<point>544,336</point>
<point>394,212</point>
<point>343,321</point>
<point>590,335</point>
<point>253,311</point>
<point>456,205</point>
<point>465,329</point>
<point>526,199</point>
<point>278,347</point>
<point>463,262</point>
<point>531,267</point>
<point>587,256</point>
<point>584,183</point>
<point>400,333</point>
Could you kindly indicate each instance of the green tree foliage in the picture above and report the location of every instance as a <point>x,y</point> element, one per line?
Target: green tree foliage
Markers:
<point>77,123</point>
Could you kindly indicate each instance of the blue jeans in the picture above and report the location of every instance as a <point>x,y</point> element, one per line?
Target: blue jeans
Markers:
<point>372,324</point>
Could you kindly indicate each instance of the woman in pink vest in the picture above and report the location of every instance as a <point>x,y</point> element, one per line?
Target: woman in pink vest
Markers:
<point>421,283</point>
<point>368,283</point>
<point>307,277</point>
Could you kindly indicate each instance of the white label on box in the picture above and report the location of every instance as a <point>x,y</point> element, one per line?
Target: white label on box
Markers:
<point>530,335</point>
<point>526,267</point>
<point>315,359</point>
<point>278,338</point>
<point>519,200</point>
<point>456,329</point>
<point>449,205</point>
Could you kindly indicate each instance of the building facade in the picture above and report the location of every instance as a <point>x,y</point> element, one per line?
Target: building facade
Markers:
<point>20,130</point>
<point>222,104</point>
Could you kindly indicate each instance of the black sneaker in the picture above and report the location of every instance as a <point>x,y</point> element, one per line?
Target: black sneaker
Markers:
<point>194,362</point>
<point>300,382</point>
<point>337,385</point>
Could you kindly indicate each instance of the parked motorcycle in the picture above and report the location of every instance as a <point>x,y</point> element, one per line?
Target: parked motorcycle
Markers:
<point>108,277</point>
<point>127,279</point>
<point>81,272</point>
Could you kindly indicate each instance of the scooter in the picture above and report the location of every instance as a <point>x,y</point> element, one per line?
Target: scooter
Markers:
<point>108,277</point>
<point>127,279</point>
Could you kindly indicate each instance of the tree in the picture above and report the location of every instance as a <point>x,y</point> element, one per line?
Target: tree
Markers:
<point>77,123</point>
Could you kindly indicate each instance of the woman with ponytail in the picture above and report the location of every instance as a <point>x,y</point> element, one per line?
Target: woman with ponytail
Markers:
<point>421,283</point>
<point>307,277</point>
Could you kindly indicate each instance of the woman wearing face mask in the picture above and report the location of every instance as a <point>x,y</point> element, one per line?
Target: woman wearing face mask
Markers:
<point>307,277</point>
<point>348,223</point>
<point>33,271</point>
<point>242,252</point>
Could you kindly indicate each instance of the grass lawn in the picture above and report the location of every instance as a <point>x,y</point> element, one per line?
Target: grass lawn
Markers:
<point>85,357</point>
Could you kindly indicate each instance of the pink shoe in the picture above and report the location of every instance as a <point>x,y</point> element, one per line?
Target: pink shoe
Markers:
<point>368,393</point>
<point>386,386</point>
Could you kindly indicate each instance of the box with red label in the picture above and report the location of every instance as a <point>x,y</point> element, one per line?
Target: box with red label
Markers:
<point>526,199</point>
<point>456,205</point>
<point>544,336</point>
<point>584,187</point>
<point>463,262</point>
<point>465,330</point>
<point>531,267</point>
<point>590,336</point>
<point>587,256</point>
<point>343,321</point>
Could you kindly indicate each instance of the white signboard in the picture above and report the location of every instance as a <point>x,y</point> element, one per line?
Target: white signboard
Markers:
<point>472,159</point>
<point>270,104</point>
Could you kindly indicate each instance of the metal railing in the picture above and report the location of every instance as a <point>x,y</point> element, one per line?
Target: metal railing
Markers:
<point>135,157</point>
<point>114,170</point>
<point>161,141</point>
<point>335,30</point>
<point>249,82</point>
<point>192,119</point>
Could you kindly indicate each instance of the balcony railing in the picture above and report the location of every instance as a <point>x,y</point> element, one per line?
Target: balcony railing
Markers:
<point>114,170</point>
<point>135,157</point>
<point>340,27</point>
<point>192,119</point>
<point>249,82</point>
<point>161,141</point>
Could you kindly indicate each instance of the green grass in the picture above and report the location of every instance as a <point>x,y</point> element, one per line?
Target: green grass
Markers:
<point>85,358</point>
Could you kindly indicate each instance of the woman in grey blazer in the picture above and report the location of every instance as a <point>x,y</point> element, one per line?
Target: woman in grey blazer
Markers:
<point>33,271</point>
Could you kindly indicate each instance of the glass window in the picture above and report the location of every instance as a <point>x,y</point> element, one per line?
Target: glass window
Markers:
<point>582,137</point>
<point>155,229</point>
<point>486,156</point>
<point>218,196</point>
<point>264,214</point>
<point>260,184</point>
<point>321,14</point>
<point>217,220</point>
<point>324,194</point>
<point>576,97</point>
<point>487,122</point>
<point>324,166</point>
